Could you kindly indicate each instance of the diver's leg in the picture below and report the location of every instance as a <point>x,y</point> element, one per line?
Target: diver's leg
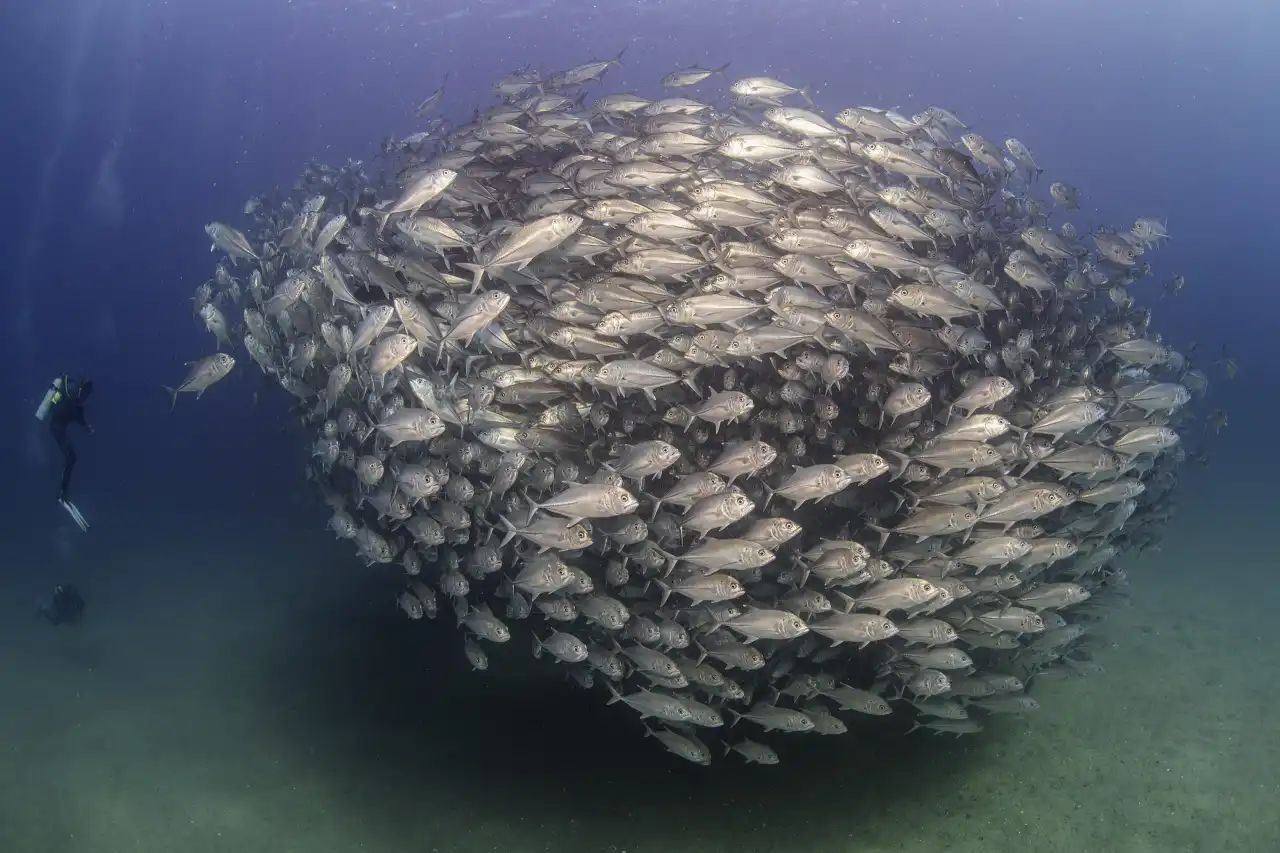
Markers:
<point>68,461</point>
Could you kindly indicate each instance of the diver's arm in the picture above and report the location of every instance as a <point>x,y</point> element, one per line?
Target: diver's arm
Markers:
<point>79,418</point>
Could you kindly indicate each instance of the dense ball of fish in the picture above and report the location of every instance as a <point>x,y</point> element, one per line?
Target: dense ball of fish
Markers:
<point>744,413</point>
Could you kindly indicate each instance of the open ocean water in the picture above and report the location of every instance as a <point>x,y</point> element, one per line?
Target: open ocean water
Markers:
<point>243,683</point>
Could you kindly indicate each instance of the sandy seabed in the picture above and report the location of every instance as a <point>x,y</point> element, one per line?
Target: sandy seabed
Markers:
<point>252,700</point>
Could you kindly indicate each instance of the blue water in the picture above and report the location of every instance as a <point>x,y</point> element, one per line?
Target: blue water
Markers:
<point>129,124</point>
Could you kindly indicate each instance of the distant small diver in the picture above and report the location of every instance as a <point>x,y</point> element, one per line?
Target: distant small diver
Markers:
<point>64,607</point>
<point>63,405</point>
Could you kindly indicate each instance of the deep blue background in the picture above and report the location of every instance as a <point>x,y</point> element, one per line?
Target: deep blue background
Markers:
<point>1151,108</point>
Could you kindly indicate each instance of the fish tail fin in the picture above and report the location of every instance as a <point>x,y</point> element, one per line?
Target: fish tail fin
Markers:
<point>666,593</point>
<point>173,394</point>
<point>477,274</point>
<point>511,530</point>
<point>884,533</point>
<point>903,461</point>
<point>802,575</point>
<point>688,379</point>
<point>722,68</point>
<point>658,503</point>
<point>671,560</point>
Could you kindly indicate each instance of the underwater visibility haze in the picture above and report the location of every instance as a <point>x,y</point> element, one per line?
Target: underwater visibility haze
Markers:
<point>861,411</point>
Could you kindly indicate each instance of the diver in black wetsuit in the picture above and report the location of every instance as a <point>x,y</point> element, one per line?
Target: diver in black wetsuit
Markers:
<point>67,409</point>
<point>64,607</point>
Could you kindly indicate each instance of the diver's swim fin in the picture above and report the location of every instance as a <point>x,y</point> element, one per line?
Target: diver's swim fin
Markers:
<point>74,512</point>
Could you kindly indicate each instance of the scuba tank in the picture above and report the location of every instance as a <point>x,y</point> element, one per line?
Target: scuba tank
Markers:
<point>51,398</point>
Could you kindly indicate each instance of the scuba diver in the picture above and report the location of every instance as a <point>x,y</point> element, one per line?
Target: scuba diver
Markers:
<point>62,406</point>
<point>65,607</point>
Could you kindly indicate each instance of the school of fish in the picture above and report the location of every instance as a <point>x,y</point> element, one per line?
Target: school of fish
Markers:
<point>753,419</point>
